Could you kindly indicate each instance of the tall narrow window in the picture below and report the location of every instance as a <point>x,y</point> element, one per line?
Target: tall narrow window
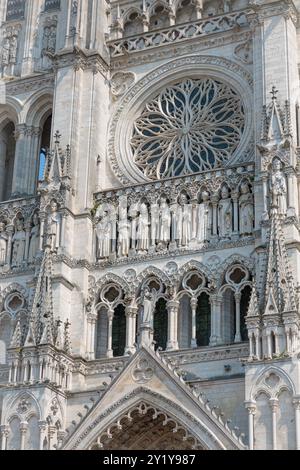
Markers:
<point>45,144</point>
<point>245,299</point>
<point>7,160</point>
<point>203,320</point>
<point>119,331</point>
<point>160,324</point>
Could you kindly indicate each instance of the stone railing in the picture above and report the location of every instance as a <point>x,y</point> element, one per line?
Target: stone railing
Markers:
<point>214,208</point>
<point>200,28</point>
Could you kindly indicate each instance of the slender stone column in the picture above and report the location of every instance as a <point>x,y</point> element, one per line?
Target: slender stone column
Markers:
<point>90,341</point>
<point>292,194</point>
<point>194,303</point>
<point>296,403</point>
<point>23,431</point>
<point>131,313</point>
<point>194,219</point>
<point>110,317</point>
<point>51,433</point>
<point>216,303</point>
<point>43,428</point>
<point>251,407</point>
<point>27,234</point>
<point>265,194</point>
<point>10,230</point>
<point>4,432</point>
<point>237,338</point>
<point>42,229</point>
<point>214,201</point>
<point>172,307</point>
<point>274,408</point>
<point>235,199</point>
<point>258,352</point>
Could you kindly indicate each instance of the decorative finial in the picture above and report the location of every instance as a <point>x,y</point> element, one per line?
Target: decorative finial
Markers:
<point>274,93</point>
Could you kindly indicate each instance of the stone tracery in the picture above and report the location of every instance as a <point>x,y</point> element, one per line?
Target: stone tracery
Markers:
<point>193,125</point>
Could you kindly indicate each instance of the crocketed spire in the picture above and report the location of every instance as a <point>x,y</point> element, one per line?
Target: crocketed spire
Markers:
<point>279,289</point>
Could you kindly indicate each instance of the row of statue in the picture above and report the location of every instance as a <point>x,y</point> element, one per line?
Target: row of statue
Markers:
<point>21,242</point>
<point>141,228</point>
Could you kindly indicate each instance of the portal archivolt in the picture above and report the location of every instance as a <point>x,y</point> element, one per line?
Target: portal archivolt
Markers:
<point>146,428</point>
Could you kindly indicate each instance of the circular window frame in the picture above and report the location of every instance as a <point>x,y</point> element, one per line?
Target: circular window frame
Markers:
<point>147,89</point>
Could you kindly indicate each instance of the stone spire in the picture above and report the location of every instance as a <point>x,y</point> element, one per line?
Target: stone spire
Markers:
<point>42,317</point>
<point>279,288</point>
<point>16,337</point>
<point>273,325</point>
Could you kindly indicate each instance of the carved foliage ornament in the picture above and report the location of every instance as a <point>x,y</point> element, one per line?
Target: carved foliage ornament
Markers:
<point>191,126</point>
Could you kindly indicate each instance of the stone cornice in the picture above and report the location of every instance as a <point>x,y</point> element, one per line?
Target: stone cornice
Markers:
<point>28,84</point>
<point>81,60</point>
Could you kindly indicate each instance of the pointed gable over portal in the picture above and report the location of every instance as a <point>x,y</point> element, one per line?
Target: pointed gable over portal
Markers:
<point>149,406</point>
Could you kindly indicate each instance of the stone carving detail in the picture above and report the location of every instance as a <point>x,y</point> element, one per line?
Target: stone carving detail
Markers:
<point>15,9</point>
<point>148,306</point>
<point>225,214</point>
<point>192,126</point>
<point>3,244</point>
<point>143,372</point>
<point>246,210</point>
<point>120,83</point>
<point>168,219</point>
<point>52,4</point>
<point>9,48</point>
<point>54,224</point>
<point>34,243</point>
<point>49,36</point>
<point>278,187</point>
<point>24,405</point>
<point>19,244</point>
<point>244,52</point>
<point>198,29</point>
<point>103,233</point>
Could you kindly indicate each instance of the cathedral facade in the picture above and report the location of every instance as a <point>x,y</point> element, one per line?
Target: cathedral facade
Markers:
<point>149,224</point>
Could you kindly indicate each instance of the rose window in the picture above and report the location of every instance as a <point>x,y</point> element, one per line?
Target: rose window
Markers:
<point>192,126</point>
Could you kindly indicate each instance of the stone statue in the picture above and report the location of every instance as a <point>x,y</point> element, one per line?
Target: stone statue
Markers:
<point>5,52</point>
<point>143,229</point>
<point>183,221</point>
<point>34,238</point>
<point>225,214</point>
<point>18,243</point>
<point>46,39</point>
<point>278,187</point>
<point>13,50</point>
<point>246,210</point>
<point>164,222</point>
<point>124,230</point>
<point>52,40</point>
<point>3,244</point>
<point>54,223</point>
<point>104,235</point>
<point>154,223</point>
<point>204,218</point>
<point>149,302</point>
